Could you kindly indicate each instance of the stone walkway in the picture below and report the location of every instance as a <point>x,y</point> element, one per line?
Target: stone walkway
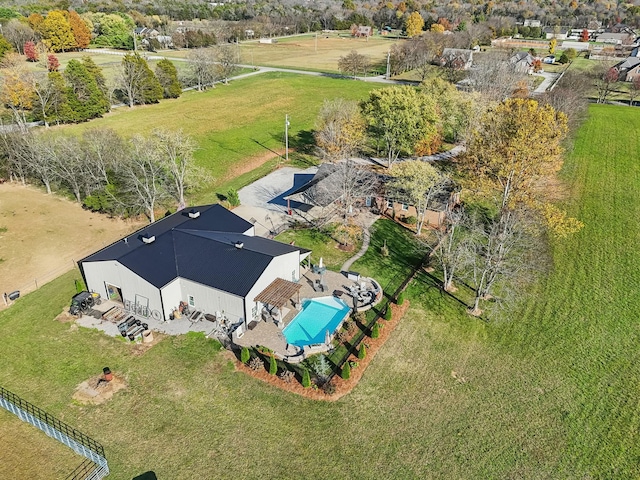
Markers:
<point>366,238</point>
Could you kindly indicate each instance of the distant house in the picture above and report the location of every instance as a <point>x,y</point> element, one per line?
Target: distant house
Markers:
<point>248,33</point>
<point>558,33</point>
<point>623,38</point>
<point>457,58</point>
<point>532,23</point>
<point>522,62</point>
<point>628,69</point>
<point>145,32</point>
<point>361,31</point>
<point>207,258</point>
<point>435,214</point>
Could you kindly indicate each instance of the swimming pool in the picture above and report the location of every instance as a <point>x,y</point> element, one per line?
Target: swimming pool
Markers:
<point>317,316</point>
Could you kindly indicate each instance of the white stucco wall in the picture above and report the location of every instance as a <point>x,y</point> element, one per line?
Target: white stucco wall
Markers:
<point>97,274</point>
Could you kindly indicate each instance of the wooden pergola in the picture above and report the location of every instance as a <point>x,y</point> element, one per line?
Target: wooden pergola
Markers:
<point>279,292</point>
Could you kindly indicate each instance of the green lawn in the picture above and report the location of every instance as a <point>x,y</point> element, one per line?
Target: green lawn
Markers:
<point>553,393</point>
<point>236,125</point>
<point>322,245</point>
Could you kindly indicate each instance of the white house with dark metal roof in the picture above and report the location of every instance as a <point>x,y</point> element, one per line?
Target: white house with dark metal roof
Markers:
<point>207,257</point>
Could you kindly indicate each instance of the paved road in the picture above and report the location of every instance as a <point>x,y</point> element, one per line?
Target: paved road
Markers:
<point>549,79</point>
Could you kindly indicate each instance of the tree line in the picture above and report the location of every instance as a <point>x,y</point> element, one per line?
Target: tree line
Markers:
<point>105,172</point>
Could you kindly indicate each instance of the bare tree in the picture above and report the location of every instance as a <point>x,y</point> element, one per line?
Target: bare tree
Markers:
<point>144,178</point>
<point>605,77</point>
<point>33,156</point>
<point>46,93</point>
<point>68,160</point>
<point>354,64</point>
<point>634,90</point>
<point>18,33</point>
<point>16,164</point>
<point>105,151</point>
<point>454,248</point>
<point>570,96</point>
<point>493,76</point>
<point>227,62</point>
<point>355,182</point>
<point>202,65</point>
<point>176,154</point>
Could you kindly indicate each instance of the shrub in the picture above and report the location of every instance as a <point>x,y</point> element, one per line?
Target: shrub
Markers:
<point>256,364</point>
<point>342,336</point>
<point>388,314</point>
<point>329,388</point>
<point>286,376</point>
<point>273,365</point>
<point>346,371</point>
<point>306,378</point>
<point>233,198</point>
<point>411,220</point>
<point>375,331</point>
<point>362,353</point>
<point>245,356</point>
<point>400,300</point>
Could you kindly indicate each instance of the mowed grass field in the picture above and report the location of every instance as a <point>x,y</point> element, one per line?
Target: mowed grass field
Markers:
<point>553,393</point>
<point>239,126</point>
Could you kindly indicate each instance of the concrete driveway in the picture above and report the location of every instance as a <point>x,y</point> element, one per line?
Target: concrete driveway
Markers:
<point>262,203</point>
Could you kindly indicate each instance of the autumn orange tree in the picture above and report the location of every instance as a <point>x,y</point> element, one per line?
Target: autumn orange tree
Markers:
<point>515,147</point>
<point>340,129</point>
<point>80,30</point>
<point>17,91</point>
<point>414,24</point>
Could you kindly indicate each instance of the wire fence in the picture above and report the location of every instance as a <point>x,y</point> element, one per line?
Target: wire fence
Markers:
<point>52,421</point>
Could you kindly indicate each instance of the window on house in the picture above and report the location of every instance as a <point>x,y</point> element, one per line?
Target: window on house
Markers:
<point>254,310</point>
<point>293,276</point>
<point>368,201</point>
<point>389,204</point>
<point>192,302</point>
<point>405,207</point>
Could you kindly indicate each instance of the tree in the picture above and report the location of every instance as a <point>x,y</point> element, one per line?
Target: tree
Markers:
<point>16,93</point>
<point>34,154</point>
<point>45,92</point>
<point>59,109</point>
<point>175,150</point>
<point>96,72</point>
<point>138,83</point>
<point>144,178</point>
<point>56,32</point>
<point>340,129</point>
<point>605,77</point>
<point>453,106</point>
<point>167,75</point>
<point>112,30</point>
<point>5,47</point>
<point>417,183</point>
<point>517,144</point>
<point>245,356</point>
<point>202,64</point>
<point>493,76</point>
<point>306,378</point>
<point>354,64</point>
<point>52,63</point>
<point>552,46</point>
<point>584,35</point>
<point>400,117</point>
<point>69,161</point>
<point>362,352</point>
<point>375,331</point>
<point>414,24</point>
<point>18,33</point>
<point>85,100</point>
<point>80,30</point>
<point>437,28</point>
<point>30,52</point>
<point>227,62</point>
<point>453,249</point>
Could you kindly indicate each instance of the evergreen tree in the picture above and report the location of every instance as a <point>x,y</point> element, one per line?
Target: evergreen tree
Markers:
<point>375,331</point>
<point>96,72</point>
<point>56,32</point>
<point>167,75</point>
<point>59,110</point>
<point>84,97</point>
<point>346,371</point>
<point>244,355</point>
<point>362,353</point>
<point>273,365</point>
<point>306,378</point>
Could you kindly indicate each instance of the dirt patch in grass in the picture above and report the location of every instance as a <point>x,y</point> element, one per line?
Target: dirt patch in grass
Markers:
<point>342,387</point>
<point>96,390</point>
<point>65,316</point>
<point>252,163</point>
<point>141,347</point>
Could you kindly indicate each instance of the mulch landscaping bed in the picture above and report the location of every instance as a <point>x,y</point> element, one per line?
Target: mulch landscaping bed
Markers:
<point>342,387</point>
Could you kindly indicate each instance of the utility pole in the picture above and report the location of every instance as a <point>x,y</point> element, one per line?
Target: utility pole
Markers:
<point>135,43</point>
<point>388,65</point>
<point>286,138</point>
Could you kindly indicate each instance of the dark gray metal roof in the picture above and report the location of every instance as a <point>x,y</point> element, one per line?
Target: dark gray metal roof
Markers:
<point>198,250</point>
